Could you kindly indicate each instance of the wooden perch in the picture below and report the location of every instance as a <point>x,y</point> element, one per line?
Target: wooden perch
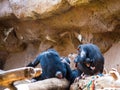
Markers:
<point>7,78</point>
<point>47,84</point>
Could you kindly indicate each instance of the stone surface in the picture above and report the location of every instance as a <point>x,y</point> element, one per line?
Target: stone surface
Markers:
<point>78,2</point>
<point>5,10</point>
<point>112,57</point>
<point>36,9</point>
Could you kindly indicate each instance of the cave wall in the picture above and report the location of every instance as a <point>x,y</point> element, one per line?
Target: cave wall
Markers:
<point>112,57</point>
<point>28,27</point>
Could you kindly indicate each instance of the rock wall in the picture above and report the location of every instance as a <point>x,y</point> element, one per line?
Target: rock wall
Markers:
<point>112,57</point>
<point>28,27</point>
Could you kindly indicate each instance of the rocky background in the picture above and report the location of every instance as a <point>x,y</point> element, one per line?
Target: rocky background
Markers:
<point>28,27</point>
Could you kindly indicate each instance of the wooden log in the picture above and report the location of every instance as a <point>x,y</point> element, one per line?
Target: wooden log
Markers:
<point>50,84</point>
<point>47,84</point>
<point>8,77</point>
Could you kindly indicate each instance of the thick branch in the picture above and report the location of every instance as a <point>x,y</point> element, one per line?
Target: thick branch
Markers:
<point>48,84</point>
